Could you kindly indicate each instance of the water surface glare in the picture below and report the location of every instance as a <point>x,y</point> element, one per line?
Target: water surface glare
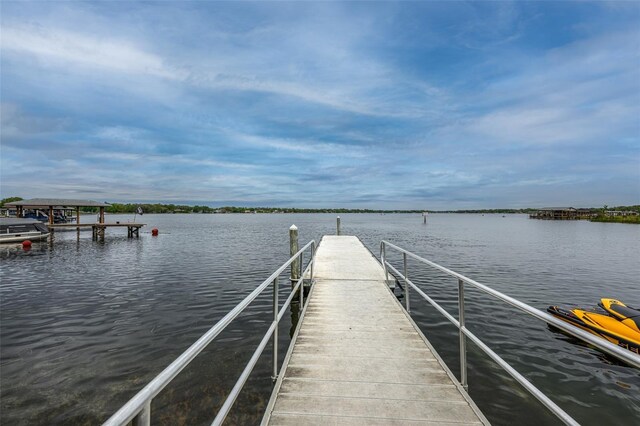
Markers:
<point>85,324</point>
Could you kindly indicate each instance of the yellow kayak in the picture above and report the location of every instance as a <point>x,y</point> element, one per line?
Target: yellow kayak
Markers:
<point>625,314</point>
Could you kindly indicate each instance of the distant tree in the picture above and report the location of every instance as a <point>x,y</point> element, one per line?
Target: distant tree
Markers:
<point>9,200</point>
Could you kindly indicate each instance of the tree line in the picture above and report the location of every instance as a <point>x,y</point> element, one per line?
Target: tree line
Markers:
<point>180,208</point>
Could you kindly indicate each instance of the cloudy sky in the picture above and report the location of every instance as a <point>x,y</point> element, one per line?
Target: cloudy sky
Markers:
<point>385,105</point>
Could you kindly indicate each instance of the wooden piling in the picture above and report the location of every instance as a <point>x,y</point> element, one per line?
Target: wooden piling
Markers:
<point>293,249</point>
<point>338,225</point>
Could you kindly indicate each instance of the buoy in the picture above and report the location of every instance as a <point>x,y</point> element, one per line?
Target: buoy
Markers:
<point>26,244</point>
<point>154,232</point>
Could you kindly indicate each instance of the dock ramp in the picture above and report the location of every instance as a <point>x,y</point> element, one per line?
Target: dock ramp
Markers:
<point>358,359</point>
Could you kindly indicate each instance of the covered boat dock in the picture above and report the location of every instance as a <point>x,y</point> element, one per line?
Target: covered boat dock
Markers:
<point>55,204</point>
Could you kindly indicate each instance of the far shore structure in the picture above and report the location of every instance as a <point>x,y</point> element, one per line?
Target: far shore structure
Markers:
<point>563,213</point>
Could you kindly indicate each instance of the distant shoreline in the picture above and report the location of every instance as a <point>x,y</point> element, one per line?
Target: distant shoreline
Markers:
<point>174,208</point>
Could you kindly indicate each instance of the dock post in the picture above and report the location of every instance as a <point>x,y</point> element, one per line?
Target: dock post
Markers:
<point>338,225</point>
<point>424,217</point>
<point>293,249</point>
<point>463,343</point>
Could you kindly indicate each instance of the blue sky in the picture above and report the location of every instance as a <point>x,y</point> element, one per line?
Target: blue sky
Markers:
<point>432,105</point>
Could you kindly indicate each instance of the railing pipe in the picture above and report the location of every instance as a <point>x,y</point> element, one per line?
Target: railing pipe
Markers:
<point>552,406</point>
<point>555,409</point>
<point>135,405</point>
<point>444,313</point>
<point>233,395</point>
<point>608,347</point>
<point>631,358</point>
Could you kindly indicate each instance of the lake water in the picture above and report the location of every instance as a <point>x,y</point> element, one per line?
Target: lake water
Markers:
<point>85,324</point>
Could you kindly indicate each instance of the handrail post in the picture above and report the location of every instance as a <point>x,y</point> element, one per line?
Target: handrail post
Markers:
<point>301,275</point>
<point>384,262</point>
<point>406,283</point>
<point>143,418</point>
<point>463,342</point>
<point>313,260</point>
<point>275,331</point>
<point>301,261</point>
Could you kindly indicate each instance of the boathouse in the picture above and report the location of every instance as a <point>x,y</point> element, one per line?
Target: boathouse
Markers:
<point>562,213</point>
<point>63,206</point>
<point>49,206</point>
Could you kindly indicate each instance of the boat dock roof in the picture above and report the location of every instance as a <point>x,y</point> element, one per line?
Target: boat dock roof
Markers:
<point>56,203</point>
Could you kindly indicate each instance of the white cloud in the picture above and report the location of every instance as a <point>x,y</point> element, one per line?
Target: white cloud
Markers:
<point>66,48</point>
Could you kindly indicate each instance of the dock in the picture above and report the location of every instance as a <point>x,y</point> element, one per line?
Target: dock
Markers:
<point>48,207</point>
<point>358,358</point>
<point>133,229</point>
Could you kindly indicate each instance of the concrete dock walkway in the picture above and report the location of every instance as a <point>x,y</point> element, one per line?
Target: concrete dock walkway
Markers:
<point>358,358</point>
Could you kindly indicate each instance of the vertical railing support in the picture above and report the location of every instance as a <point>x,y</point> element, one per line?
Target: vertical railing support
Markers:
<point>406,282</point>
<point>384,263</point>
<point>313,260</point>
<point>143,418</point>
<point>338,225</point>
<point>463,342</point>
<point>301,263</point>
<point>275,331</point>
<point>301,275</point>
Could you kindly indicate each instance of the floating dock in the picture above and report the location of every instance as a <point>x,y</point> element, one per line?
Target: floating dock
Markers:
<point>358,358</point>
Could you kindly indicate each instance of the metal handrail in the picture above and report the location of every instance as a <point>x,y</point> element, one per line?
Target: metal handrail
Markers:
<point>623,354</point>
<point>138,408</point>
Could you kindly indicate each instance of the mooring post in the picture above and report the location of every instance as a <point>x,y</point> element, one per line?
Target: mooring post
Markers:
<point>424,217</point>
<point>338,225</point>
<point>293,249</point>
